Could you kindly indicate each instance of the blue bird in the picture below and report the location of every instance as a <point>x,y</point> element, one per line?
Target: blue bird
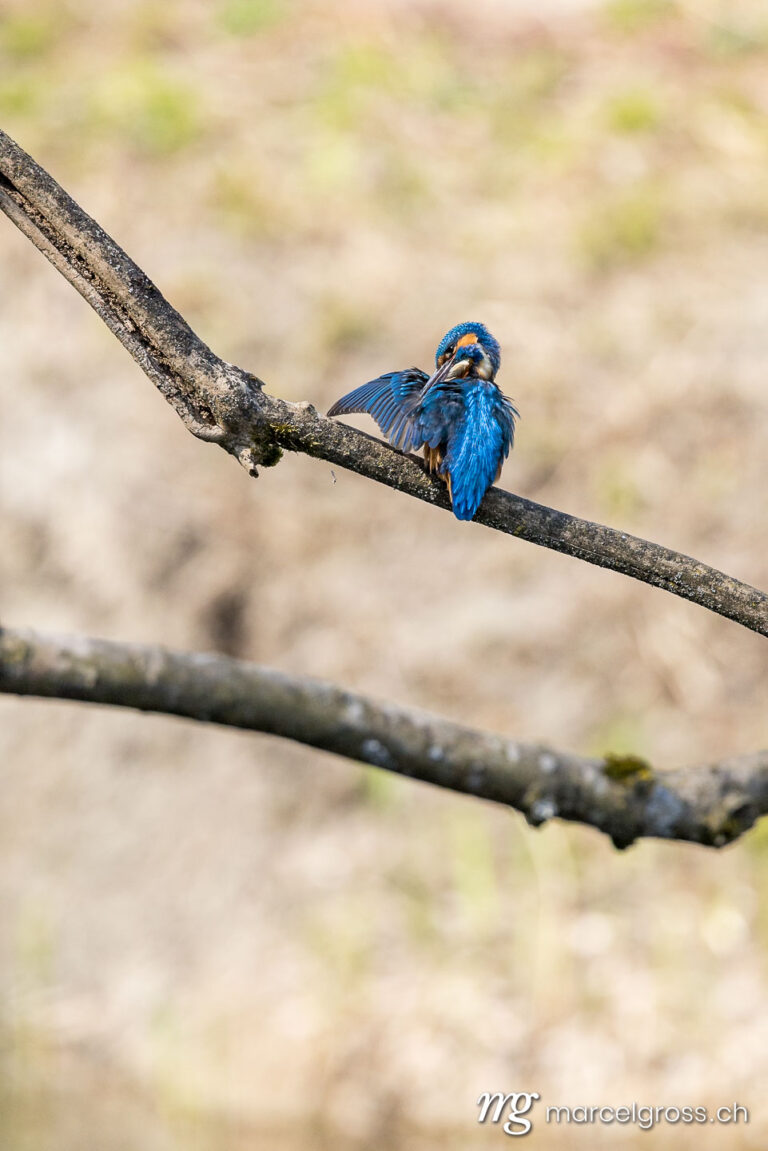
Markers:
<point>463,421</point>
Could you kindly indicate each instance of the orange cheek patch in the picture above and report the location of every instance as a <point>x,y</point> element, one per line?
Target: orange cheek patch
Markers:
<point>470,338</point>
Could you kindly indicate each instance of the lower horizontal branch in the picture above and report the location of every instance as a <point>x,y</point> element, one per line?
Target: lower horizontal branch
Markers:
<point>624,797</point>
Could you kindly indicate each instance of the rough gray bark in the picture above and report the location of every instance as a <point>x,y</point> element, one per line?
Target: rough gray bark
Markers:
<point>224,404</point>
<point>623,797</point>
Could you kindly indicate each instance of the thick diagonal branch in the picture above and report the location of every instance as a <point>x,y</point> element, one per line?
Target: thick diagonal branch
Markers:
<point>225,404</point>
<point>625,798</point>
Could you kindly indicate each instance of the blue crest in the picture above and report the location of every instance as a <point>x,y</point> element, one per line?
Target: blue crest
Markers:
<point>484,337</point>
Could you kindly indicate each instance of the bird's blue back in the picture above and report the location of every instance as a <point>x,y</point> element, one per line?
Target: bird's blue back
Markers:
<point>477,445</point>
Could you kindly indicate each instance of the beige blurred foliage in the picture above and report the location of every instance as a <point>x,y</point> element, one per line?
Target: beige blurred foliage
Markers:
<point>217,940</point>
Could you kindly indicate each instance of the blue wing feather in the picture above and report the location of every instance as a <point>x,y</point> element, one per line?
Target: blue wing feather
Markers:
<point>392,401</point>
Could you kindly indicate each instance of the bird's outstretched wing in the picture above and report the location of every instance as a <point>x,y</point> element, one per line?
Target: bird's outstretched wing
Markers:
<point>392,400</point>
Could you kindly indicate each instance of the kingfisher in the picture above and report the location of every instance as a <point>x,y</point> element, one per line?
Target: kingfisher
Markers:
<point>458,415</point>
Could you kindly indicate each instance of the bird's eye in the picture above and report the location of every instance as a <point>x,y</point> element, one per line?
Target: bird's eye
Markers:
<point>446,355</point>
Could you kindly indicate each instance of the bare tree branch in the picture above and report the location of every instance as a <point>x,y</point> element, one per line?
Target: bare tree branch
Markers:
<point>623,797</point>
<point>224,404</point>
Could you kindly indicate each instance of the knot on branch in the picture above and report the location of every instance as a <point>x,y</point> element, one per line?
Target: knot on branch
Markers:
<point>735,814</point>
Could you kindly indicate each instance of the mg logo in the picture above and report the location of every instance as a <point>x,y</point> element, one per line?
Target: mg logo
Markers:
<point>516,1106</point>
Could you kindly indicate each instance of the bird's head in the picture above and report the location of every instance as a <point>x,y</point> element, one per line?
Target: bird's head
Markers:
<point>468,349</point>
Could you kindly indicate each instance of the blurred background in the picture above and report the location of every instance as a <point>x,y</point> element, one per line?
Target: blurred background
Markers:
<point>211,939</point>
